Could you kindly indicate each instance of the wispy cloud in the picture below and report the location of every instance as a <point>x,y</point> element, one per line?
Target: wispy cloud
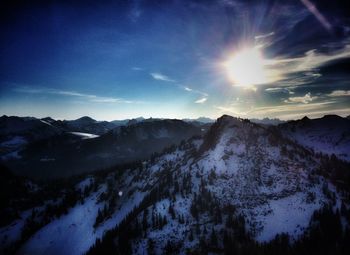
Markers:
<point>263,36</point>
<point>230,110</point>
<point>279,90</point>
<point>204,96</point>
<point>283,70</point>
<point>136,68</point>
<point>196,91</point>
<point>201,100</point>
<point>322,19</point>
<point>161,77</point>
<point>88,97</point>
<point>307,98</point>
<point>339,93</point>
<point>285,111</point>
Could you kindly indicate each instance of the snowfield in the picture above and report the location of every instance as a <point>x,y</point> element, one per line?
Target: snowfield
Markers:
<point>74,233</point>
<point>84,135</point>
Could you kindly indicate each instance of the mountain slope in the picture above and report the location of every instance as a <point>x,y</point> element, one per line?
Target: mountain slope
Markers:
<point>329,134</point>
<point>239,183</point>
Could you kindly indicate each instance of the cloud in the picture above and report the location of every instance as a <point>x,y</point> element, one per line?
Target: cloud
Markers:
<point>322,19</point>
<point>88,97</point>
<point>195,91</point>
<point>307,98</point>
<point>230,110</point>
<point>279,90</point>
<point>339,93</point>
<point>136,68</point>
<point>287,111</point>
<point>201,100</point>
<point>161,77</point>
<point>204,96</point>
<point>294,71</point>
<point>317,114</point>
<point>258,37</point>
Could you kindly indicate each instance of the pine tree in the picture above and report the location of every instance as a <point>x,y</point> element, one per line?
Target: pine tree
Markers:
<point>144,220</point>
<point>213,238</point>
<point>190,237</point>
<point>150,246</point>
<point>171,211</point>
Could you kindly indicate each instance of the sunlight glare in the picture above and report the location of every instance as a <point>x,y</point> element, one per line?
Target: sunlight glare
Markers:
<point>246,67</point>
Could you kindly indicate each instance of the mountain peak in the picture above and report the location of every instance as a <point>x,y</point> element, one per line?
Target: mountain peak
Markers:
<point>305,118</point>
<point>225,118</point>
<point>86,119</point>
<point>229,120</point>
<point>216,130</point>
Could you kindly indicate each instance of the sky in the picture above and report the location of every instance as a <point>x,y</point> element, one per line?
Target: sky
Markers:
<point>175,59</point>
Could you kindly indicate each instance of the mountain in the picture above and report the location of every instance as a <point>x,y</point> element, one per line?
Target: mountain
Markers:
<point>29,127</point>
<point>73,153</point>
<point>203,120</point>
<point>329,134</point>
<point>18,132</point>
<point>87,125</point>
<point>127,121</point>
<point>240,187</point>
<point>267,121</point>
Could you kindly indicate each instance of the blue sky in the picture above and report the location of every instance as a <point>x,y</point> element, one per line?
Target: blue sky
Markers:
<point>124,59</point>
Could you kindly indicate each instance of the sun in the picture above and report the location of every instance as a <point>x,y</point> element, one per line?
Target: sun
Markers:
<point>246,67</point>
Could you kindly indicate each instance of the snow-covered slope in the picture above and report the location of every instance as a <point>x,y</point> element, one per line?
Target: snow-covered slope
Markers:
<point>241,180</point>
<point>329,134</point>
<point>267,180</point>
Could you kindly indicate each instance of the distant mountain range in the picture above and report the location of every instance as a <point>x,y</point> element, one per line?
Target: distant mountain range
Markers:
<point>47,148</point>
<point>54,148</point>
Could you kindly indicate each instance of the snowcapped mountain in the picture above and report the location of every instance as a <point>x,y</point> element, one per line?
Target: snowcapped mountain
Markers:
<point>231,190</point>
<point>329,134</point>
